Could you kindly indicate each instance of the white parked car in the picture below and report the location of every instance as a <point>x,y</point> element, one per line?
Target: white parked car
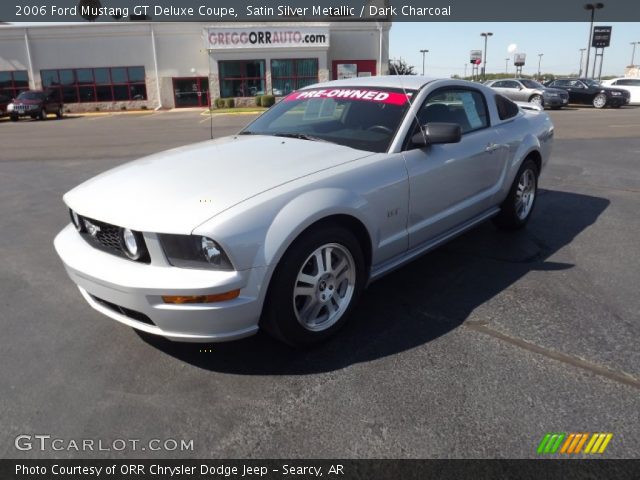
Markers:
<point>283,225</point>
<point>631,85</point>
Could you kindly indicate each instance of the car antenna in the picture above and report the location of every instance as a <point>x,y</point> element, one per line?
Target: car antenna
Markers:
<point>415,115</point>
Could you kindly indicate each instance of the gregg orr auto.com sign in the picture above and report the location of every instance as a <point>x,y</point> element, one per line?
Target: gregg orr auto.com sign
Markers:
<point>276,37</point>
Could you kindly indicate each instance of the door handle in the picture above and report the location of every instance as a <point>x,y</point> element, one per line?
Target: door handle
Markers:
<point>491,147</point>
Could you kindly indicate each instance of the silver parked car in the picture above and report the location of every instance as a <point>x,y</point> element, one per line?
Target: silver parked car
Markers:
<point>525,90</point>
<point>283,225</point>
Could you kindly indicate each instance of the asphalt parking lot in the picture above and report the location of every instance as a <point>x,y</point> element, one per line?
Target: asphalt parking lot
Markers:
<point>475,350</point>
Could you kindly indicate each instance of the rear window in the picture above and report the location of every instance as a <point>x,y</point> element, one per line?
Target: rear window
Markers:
<point>506,108</point>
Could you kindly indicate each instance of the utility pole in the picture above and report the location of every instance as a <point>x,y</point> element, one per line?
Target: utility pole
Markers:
<point>539,62</point>
<point>424,52</point>
<point>506,65</point>
<point>580,66</point>
<point>486,35</point>
<point>633,52</point>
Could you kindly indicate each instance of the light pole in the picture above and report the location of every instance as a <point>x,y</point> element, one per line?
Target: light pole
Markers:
<point>506,65</point>
<point>424,52</point>
<point>633,52</point>
<point>592,7</point>
<point>580,66</point>
<point>539,62</point>
<point>465,71</point>
<point>486,35</point>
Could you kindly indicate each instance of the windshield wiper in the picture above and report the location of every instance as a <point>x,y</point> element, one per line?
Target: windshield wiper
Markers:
<point>301,136</point>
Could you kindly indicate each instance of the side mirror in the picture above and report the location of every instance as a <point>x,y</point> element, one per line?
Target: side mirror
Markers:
<point>436,132</point>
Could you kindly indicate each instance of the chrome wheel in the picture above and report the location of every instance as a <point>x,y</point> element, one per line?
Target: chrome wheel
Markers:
<point>525,193</point>
<point>324,287</point>
<point>600,100</point>
<point>536,100</point>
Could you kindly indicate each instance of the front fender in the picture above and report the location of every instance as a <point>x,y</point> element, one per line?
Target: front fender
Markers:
<point>305,210</point>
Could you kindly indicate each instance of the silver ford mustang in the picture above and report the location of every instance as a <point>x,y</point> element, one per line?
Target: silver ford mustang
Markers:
<point>283,225</point>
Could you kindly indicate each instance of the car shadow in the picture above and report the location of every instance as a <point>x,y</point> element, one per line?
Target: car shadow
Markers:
<point>419,302</point>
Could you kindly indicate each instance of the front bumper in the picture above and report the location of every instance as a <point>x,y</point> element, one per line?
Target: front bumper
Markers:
<point>556,101</point>
<point>131,293</point>
<point>24,112</point>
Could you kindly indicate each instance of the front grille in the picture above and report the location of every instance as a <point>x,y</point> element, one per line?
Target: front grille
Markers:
<point>106,237</point>
<point>127,312</point>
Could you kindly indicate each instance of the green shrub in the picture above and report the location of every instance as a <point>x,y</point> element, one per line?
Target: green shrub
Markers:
<point>258,100</point>
<point>229,103</point>
<point>267,100</point>
<point>219,102</point>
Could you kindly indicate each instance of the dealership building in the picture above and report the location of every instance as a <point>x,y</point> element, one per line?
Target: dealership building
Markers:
<point>106,66</point>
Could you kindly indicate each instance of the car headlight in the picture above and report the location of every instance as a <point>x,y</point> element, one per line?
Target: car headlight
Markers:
<point>10,107</point>
<point>194,251</point>
<point>75,219</point>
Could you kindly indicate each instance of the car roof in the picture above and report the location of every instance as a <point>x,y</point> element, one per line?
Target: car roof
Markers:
<point>409,82</point>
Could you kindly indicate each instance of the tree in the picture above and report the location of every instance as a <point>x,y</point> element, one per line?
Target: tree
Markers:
<point>400,67</point>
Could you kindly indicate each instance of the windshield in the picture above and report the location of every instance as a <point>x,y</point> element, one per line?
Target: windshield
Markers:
<point>591,83</point>
<point>360,118</point>
<point>531,84</point>
<point>31,96</point>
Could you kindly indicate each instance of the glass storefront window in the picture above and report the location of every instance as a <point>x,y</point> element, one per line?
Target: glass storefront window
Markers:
<point>243,78</point>
<point>288,75</point>
<point>76,85</point>
<point>13,82</point>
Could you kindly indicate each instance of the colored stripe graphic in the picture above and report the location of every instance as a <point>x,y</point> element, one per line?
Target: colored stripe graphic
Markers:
<point>572,443</point>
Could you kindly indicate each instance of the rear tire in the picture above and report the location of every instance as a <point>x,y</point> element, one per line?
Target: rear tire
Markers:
<point>517,208</point>
<point>14,118</point>
<point>315,287</point>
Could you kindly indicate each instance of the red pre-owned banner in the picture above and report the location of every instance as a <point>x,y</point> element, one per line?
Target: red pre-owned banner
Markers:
<point>368,95</point>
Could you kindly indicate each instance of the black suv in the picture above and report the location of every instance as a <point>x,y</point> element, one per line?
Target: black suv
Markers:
<point>590,92</point>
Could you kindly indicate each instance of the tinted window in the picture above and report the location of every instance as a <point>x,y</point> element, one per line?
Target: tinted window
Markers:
<point>31,96</point>
<point>119,75</point>
<point>506,108</point>
<point>467,108</point>
<point>511,84</point>
<point>628,82</point>
<point>136,74</point>
<point>499,84</point>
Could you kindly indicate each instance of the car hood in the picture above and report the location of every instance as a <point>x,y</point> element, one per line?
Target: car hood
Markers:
<point>177,190</point>
<point>554,90</point>
<point>25,101</point>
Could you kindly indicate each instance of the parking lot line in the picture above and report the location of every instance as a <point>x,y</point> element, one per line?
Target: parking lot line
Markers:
<point>620,377</point>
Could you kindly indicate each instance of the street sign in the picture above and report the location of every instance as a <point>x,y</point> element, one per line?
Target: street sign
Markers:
<point>519,59</point>
<point>601,37</point>
<point>476,57</point>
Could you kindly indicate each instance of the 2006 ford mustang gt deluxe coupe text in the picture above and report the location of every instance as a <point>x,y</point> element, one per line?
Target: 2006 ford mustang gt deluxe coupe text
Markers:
<point>282,225</point>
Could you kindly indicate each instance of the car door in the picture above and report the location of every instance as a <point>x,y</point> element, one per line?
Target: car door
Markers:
<point>515,89</point>
<point>452,183</point>
<point>579,92</point>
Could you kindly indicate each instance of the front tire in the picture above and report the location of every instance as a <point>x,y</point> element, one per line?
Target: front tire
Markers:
<point>42,115</point>
<point>315,286</point>
<point>14,118</point>
<point>59,113</point>
<point>600,100</point>
<point>537,100</point>
<point>517,208</point>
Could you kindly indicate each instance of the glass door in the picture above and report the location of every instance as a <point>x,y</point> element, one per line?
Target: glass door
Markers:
<point>191,92</point>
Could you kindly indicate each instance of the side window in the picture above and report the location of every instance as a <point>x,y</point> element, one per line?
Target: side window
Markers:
<point>465,107</point>
<point>512,84</point>
<point>506,108</point>
<point>499,84</point>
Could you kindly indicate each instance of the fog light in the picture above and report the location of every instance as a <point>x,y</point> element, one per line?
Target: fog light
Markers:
<point>218,297</point>
<point>130,244</point>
